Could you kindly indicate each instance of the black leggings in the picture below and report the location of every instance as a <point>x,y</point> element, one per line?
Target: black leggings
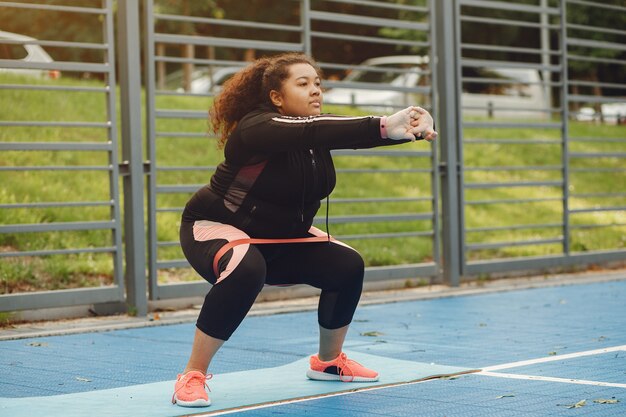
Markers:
<point>334,268</point>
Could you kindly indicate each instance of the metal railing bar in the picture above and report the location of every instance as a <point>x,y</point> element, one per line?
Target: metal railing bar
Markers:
<point>608,31</point>
<point>335,201</point>
<point>180,114</point>
<point>518,227</point>
<point>73,9</point>
<point>374,218</point>
<point>368,39</point>
<point>481,80</point>
<point>598,209</point>
<point>512,141</point>
<point>599,5</point>
<point>54,65</point>
<point>602,140</point>
<point>181,134</point>
<point>49,252</point>
<point>402,235</point>
<point>55,146</point>
<point>186,168</point>
<point>480,63</point>
<point>57,227</point>
<point>596,59</point>
<point>613,170</point>
<point>597,155</point>
<point>60,44</point>
<point>383,170</point>
<point>182,94</point>
<point>383,5</point>
<point>55,124</point>
<point>374,152</point>
<point>594,226</point>
<point>57,204</point>
<point>587,43</point>
<point>511,201</point>
<point>228,42</point>
<point>227,22</point>
<point>489,185</point>
<point>480,246</point>
<point>501,5</point>
<point>596,195</point>
<point>513,168</point>
<point>54,88</point>
<point>368,21</point>
<point>498,48</point>
<point>55,168</point>
<point>499,109</point>
<point>177,189</point>
<point>204,61</point>
<point>377,86</point>
<point>513,125</point>
<point>596,84</point>
<point>508,22</point>
<point>596,99</point>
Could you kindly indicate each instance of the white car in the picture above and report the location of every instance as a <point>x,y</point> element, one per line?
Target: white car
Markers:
<point>393,82</point>
<point>20,49</point>
<point>612,113</point>
<point>203,80</point>
<point>381,83</point>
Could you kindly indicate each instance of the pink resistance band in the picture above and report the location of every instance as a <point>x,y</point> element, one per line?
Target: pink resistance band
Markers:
<point>228,246</point>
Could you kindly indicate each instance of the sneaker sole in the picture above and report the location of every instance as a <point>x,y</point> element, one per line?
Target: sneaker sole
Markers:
<point>195,403</point>
<point>323,376</point>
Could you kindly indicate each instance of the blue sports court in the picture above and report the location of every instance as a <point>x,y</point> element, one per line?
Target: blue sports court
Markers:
<point>546,351</point>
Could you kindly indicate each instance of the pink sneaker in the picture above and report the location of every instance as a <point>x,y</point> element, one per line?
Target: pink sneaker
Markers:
<point>340,369</point>
<point>190,390</point>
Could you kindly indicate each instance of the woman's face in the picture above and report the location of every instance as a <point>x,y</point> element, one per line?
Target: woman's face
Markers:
<point>300,94</point>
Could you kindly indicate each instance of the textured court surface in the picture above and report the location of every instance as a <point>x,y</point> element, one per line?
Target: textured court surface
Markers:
<point>555,324</point>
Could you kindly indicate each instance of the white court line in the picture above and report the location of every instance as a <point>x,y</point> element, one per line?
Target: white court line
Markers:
<point>553,358</point>
<point>552,379</point>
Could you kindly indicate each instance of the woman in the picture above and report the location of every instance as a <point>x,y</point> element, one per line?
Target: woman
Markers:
<point>276,170</point>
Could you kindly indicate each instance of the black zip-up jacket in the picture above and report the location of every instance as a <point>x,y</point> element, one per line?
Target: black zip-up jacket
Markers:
<point>277,169</point>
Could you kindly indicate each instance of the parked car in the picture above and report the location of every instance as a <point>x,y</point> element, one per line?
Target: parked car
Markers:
<point>27,52</point>
<point>610,113</point>
<point>503,91</point>
<point>367,87</point>
<point>203,80</point>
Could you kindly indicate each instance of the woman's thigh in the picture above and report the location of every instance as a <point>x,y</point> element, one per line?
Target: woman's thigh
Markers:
<point>323,265</point>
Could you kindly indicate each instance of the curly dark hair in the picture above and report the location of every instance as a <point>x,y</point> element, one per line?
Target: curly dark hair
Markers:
<point>250,87</point>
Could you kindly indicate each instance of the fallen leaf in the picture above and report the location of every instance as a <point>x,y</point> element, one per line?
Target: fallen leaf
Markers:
<point>552,353</point>
<point>372,334</point>
<point>604,401</point>
<point>38,344</point>
<point>505,396</point>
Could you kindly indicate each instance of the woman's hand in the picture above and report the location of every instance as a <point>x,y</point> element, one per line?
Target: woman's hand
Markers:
<point>411,123</point>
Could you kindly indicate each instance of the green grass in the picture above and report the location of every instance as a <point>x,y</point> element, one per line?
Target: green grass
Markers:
<point>88,185</point>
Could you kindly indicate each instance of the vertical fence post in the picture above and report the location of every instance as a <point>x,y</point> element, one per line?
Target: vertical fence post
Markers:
<point>132,141</point>
<point>565,127</point>
<point>448,126</point>
<point>305,22</point>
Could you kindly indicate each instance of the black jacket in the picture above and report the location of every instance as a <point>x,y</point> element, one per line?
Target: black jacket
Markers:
<point>277,169</point>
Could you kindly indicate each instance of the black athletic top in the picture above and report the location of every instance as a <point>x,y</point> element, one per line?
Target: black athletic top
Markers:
<point>277,169</point>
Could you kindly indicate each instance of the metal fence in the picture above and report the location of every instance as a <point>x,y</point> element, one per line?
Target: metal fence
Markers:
<point>64,143</point>
<point>455,205</point>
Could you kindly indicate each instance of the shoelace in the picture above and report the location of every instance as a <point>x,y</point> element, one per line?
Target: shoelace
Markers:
<point>193,380</point>
<point>343,363</point>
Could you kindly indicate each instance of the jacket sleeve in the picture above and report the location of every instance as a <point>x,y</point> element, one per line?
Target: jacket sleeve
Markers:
<point>272,132</point>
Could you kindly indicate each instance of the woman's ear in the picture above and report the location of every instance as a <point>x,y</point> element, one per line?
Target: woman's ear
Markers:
<point>276,98</point>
